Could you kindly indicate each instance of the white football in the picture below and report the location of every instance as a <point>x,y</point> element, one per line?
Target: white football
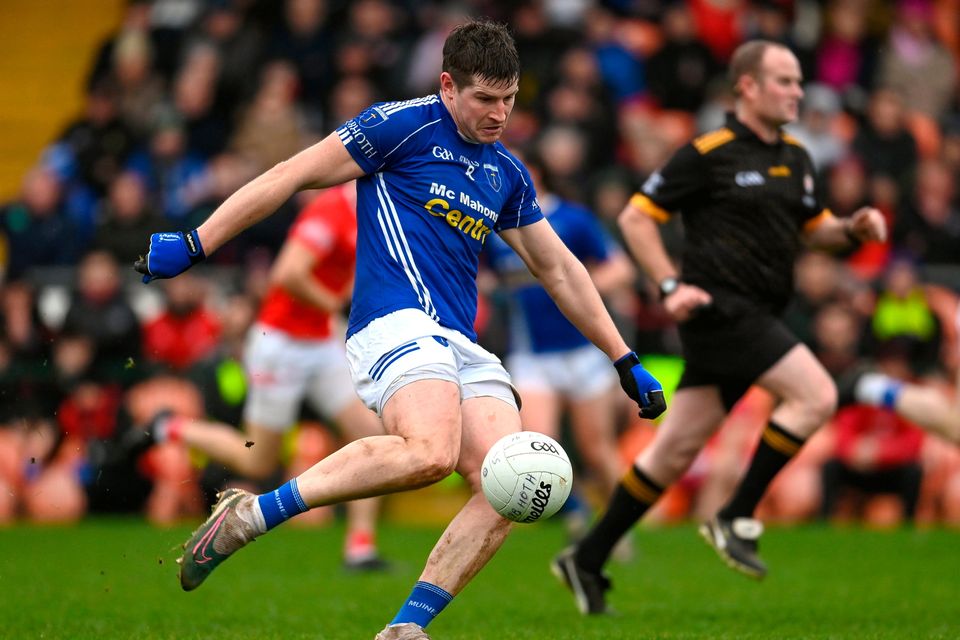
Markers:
<point>526,476</point>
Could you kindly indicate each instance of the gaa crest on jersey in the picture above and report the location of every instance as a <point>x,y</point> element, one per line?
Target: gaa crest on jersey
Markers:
<point>371,118</point>
<point>493,175</point>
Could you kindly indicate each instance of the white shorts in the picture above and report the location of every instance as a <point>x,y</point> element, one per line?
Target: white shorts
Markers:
<point>407,345</point>
<point>578,374</point>
<point>282,371</point>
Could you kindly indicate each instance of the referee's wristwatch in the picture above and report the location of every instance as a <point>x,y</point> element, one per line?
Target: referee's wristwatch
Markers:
<point>668,285</point>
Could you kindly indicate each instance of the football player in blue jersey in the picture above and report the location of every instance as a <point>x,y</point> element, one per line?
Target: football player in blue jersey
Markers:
<point>553,366</point>
<point>432,183</point>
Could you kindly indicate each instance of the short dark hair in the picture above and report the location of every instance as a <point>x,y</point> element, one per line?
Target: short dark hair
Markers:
<point>748,60</point>
<point>481,49</point>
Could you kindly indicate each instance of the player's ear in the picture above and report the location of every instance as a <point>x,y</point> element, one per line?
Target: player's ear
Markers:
<point>447,84</point>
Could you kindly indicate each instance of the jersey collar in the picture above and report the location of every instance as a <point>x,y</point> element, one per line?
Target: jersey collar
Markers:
<point>743,132</point>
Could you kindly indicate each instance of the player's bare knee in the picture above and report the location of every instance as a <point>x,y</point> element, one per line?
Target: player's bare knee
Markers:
<point>434,463</point>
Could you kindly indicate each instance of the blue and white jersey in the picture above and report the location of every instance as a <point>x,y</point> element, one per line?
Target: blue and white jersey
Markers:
<point>536,323</point>
<point>425,209</point>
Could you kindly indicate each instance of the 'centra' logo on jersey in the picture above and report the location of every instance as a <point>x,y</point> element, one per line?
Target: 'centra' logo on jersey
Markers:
<point>468,225</point>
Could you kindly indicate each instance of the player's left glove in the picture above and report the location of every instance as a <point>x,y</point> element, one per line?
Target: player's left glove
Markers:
<point>170,254</point>
<point>642,387</point>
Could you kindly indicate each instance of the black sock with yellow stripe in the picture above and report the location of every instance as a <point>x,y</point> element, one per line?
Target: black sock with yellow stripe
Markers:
<point>776,449</point>
<point>633,496</point>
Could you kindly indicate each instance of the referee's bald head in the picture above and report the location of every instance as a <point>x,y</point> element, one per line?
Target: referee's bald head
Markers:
<point>747,60</point>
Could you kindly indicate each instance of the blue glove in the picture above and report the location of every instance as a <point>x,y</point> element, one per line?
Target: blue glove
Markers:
<point>642,387</point>
<point>169,255</point>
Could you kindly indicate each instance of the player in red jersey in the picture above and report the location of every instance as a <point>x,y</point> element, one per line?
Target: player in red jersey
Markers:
<point>293,353</point>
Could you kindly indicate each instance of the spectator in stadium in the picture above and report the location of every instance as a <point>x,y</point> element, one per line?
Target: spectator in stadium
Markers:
<point>372,42</point>
<point>304,38</point>
<point>194,95</point>
<point>678,73</point>
<point>187,331</point>
<point>818,285</point>
<point>928,224</point>
<point>348,97</point>
<point>815,128</point>
<point>140,90</point>
<point>293,354</point>
<point>35,228</point>
<point>240,47</point>
<point>915,64</point>
<point>176,177</point>
<point>273,126</point>
<point>125,217</point>
<point>554,367</point>
<point>24,334</point>
<point>579,99</point>
<point>99,309</point>
<point>886,147</point>
<point>564,149</point>
<point>91,152</point>
<point>845,58</point>
<point>744,221</point>
<point>29,436</point>
<point>411,344</point>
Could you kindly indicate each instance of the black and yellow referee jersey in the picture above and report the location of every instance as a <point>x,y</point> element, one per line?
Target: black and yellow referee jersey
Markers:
<point>744,204</point>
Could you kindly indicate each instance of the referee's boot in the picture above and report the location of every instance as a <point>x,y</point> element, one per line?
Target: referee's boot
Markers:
<point>735,541</point>
<point>589,589</point>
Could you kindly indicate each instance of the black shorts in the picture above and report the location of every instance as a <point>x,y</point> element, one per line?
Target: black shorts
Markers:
<point>732,350</point>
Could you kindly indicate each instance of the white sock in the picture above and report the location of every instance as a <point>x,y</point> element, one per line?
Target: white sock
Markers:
<point>253,515</point>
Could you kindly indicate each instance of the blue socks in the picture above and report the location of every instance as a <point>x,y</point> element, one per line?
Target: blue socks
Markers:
<point>425,602</point>
<point>280,505</point>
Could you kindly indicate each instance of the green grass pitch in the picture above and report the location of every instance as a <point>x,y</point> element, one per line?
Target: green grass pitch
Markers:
<point>117,579</point>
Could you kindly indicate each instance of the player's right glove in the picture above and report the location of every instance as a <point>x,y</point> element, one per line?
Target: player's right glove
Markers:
<point>642,387</point>
<point>170,254</point>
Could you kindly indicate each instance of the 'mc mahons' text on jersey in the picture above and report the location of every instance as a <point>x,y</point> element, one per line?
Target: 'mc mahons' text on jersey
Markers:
<point>424,210</point>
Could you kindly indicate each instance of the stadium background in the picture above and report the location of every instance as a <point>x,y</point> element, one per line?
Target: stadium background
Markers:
<point>207,94</point>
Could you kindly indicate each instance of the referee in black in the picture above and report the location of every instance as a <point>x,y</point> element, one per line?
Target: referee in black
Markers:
<point>748,199</point>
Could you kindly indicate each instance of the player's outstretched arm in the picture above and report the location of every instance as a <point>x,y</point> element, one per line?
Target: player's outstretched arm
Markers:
<point>569,284</point>
<point>324,164</point>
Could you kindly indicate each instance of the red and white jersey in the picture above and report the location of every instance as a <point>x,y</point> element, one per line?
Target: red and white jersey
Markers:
<point>328,227</point>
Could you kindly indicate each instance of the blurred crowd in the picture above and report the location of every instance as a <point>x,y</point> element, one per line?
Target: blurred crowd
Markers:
<point>189,99</point>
